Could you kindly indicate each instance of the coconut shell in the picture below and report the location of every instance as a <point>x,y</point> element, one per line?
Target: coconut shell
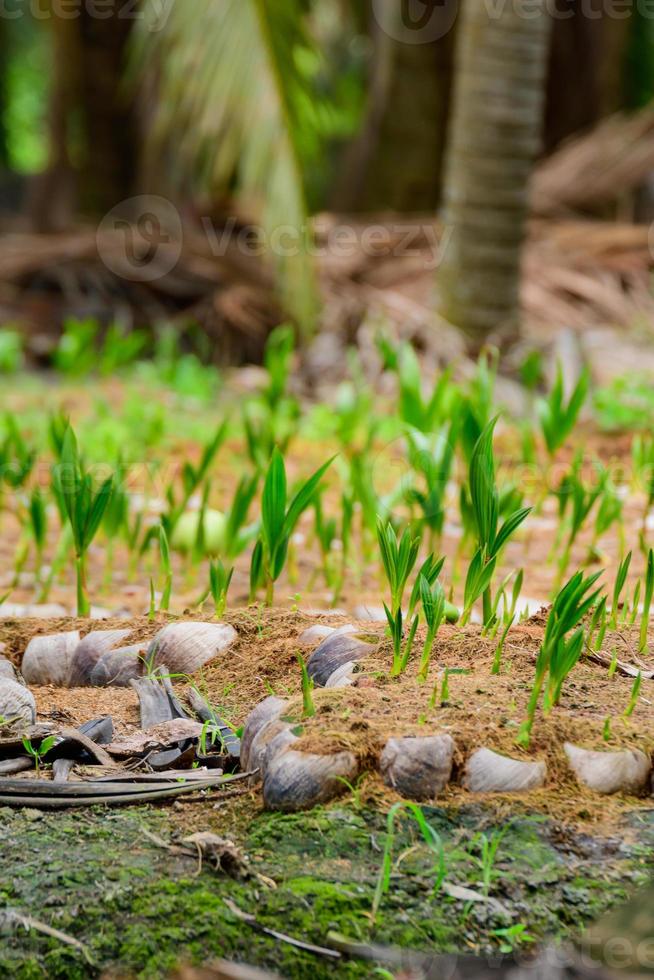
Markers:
<point>316,634</point>
<point>335,651</point>
<point>118,668</point>
<point>48,659</point>
<point>266,711</point>
<point>17,705</point>
<point>300,780</point>
<point>273,738</point>
<point>489,772</point>
<point>343,676</point>
<point>626,772</point>
<point>418,768</point>
<point>89,651</point>
<point>186,647</point>
<point>7,669</point>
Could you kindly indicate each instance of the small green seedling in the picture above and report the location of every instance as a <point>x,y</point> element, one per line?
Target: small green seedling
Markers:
<point>620,580</point>
<point>559,653</point>
<point>557,419</point>
<point>647,600</point>
<point>164,552</point>
<point>308,706</point>
<point>431,838</point>
<point>84,507</point>
<point>635,694</point>
<point>278,520</point>
<point>39,753</point>
<point>220,580</point>
<point>433,608</point>
<point>485,500</point>
<point>398,559</point>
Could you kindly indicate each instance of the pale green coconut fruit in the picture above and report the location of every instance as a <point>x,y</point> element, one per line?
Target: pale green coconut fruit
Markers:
<point>186,531</point>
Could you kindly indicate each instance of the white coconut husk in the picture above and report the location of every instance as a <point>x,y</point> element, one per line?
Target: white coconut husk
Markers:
<point>489,772</point>
<point>418,768</point>
<point>627,771</point>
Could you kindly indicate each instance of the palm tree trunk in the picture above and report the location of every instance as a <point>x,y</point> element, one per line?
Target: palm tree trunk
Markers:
<point>396,160</point>
<point>494,138</point>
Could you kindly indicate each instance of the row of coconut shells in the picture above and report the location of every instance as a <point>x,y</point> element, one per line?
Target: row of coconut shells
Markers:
<point>103,658</point>
<point>417,768</point>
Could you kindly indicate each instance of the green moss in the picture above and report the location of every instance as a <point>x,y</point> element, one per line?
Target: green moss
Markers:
<point>140,909</point>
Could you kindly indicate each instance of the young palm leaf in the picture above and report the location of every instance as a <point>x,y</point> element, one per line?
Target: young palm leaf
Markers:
<point>485,500</point>
<point>234,97</point>
<point>557,418</point>
<point>278,522</point>
<point>647,600</point>
<point>398,559</point>
<point>433,607</point>
<point>558,654</point>
<point>620,580</point>
<point>84,507</point>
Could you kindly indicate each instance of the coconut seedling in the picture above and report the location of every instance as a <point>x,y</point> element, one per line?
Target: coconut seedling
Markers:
<point>558,416</point>
<point>608,513</point>
<point>647,601</point>
<point>431,459</point>
<point>398,560</point>
<point>598,623</point>
<point>16,458</point>
<point>491,538</point>
<point>83,505</point>
<point>167,568</point>
<point>38,525</point>
<point>220,579</point>
<point>430,570</point>
<point>278,521</point>
<point>572,492</point>
<point>620,579</point>
<point>115,523</point>
<point>560,652</point>
<point>193,477</point>
<point>499,649</point>
<point>325,530</point>
<point>478,405</point>
<point>642,455</point>
<point>424,413</point>
<point>308,706</point>
<point>433,607</point>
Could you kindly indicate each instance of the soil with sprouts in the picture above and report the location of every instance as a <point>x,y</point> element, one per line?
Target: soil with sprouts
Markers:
<point>119,882</point>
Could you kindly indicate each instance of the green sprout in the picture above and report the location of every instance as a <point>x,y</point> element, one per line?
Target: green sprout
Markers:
<point>38,753</point>
<point>278,520</point>
<point>308,706</point>
<point>635,694</point>
<point>559,653</point>
<point>557,419</point>
<point>431,838</point>
<point>433,608</point>
<point>486,509</point>
<point>647,601</point>
<point>84,507</point>
<point>220,580</point>
<point>620,579</point>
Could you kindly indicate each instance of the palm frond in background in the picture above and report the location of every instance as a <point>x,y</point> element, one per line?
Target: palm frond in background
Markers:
<point>233,96</point>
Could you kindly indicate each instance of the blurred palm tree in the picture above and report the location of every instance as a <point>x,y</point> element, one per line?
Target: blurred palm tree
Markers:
<point>495,136</point>
<point>234,95</point>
